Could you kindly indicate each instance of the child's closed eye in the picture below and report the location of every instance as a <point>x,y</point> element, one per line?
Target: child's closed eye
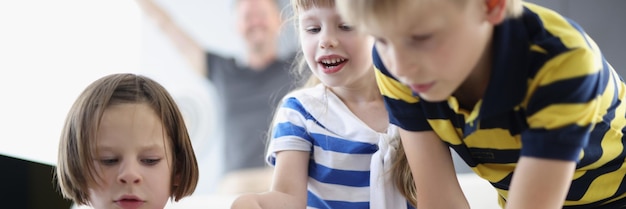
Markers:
<point>313,30</point>
<point>150,161</point>
<point>108,161</point>
<point>346,27</point>
<point>418,39</point>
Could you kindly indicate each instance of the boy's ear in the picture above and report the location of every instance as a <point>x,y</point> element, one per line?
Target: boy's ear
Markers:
<point>496,11</point>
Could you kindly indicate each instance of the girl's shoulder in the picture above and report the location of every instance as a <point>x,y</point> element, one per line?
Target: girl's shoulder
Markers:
<point>315,93</point>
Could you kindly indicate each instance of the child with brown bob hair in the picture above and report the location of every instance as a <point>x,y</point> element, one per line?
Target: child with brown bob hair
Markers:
<point>125,144</point>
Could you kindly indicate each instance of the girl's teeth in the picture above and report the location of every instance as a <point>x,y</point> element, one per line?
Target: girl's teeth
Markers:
<point>332,61</point>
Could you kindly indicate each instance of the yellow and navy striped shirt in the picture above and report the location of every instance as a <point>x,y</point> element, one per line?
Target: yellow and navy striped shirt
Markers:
<point>551,92</point>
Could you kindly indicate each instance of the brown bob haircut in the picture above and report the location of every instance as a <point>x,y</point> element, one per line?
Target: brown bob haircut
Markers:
<point>75,170</point>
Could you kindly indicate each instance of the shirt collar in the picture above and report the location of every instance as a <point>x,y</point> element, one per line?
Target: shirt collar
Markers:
<point>509,75</point>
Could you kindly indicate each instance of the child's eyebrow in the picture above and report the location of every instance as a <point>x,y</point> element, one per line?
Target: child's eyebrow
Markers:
<point>153,147</point>
<point>104,148</point>
<point>308,18</point>
<point>316,17</point>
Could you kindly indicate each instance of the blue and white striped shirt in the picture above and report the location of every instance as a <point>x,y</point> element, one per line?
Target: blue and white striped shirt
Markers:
<point>341,147</point>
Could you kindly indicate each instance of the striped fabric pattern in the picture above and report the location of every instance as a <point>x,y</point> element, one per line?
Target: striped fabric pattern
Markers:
<point>341,147</point>
<point>550,90</point>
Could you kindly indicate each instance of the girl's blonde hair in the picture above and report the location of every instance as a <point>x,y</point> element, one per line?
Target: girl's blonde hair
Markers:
<point>304,77</point>
<point>401,175</point>
<point>368,12</point>
<point>76,171</point>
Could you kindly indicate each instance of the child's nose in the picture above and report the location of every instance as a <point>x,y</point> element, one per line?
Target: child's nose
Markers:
<point>129,173</point>
<point>328,41</point>
<point>401,64</point>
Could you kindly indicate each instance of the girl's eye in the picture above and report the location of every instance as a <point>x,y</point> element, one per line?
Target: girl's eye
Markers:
<point>345,27</point>
<point>313,29</point>
<point>151,161</point>
<point>109,161</point>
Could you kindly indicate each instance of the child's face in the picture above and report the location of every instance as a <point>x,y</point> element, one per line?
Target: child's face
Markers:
<point>336,53</point>
<point>433,46</point>
<point>131,158</point>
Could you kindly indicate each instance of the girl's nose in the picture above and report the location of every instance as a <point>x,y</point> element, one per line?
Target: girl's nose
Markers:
<point>129,173</point>
<point>328,41</point>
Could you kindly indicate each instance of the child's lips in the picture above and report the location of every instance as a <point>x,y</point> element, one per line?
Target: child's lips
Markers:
<point>421,88</point>
<point>332,69</point>
<point>129,202</point>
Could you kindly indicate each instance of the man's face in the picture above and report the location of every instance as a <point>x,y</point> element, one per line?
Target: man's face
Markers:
<point>258,22</point>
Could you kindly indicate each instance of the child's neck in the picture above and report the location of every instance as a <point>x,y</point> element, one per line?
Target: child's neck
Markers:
<point>369,108</point>
<point>467,100</point>
<point>363,91</point>
<point>357,95</point>
<point>473,88</point>
<point>366,103</point>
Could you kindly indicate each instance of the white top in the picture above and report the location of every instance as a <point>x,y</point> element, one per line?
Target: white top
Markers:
<point>341,169</point>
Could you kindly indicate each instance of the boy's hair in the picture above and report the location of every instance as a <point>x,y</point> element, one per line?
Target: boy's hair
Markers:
<point>364,12</point>
<point>75,171</point>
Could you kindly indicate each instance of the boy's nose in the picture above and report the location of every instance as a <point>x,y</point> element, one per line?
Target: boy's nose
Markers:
<point>399,64</point>
<point>129,173</point>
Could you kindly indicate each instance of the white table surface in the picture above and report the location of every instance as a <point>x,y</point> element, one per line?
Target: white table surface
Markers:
<point>479,193</point>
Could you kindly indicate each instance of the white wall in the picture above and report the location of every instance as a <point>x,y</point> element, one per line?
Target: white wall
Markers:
<point>49,52</point>
<point>603,20</point>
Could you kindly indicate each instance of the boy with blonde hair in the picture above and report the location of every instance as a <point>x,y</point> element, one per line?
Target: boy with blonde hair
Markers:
<point>522,93</point>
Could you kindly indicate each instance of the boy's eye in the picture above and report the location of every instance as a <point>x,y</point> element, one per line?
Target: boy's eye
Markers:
<point>150,161</point>
<point>420,38</point>
<point>108,161</point>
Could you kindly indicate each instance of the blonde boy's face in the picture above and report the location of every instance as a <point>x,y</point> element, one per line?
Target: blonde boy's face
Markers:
<point>433,46</point>
<point>338,54</point>
<point>131,158</point>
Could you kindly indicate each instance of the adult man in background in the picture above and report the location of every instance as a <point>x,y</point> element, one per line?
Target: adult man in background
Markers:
<point>248,94</point>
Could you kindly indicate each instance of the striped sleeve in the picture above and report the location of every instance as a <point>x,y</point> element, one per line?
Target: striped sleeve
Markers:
<point>565,97</point>
<point>289,132</point>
